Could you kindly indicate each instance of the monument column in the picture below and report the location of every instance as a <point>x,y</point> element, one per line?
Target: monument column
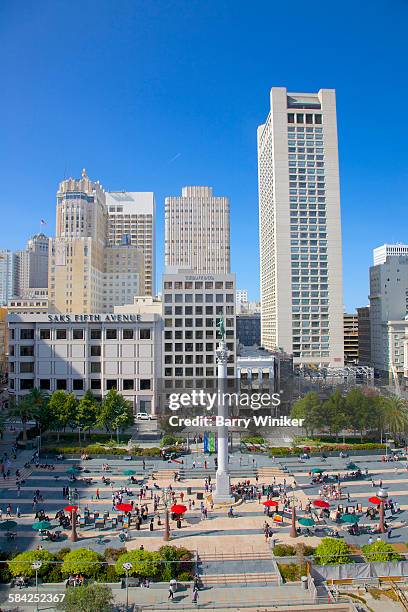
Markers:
<point>222,491</point>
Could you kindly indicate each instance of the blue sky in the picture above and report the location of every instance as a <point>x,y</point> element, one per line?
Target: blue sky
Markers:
<point>159,94</point>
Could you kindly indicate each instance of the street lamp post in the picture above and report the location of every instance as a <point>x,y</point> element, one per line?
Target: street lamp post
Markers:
<point>293,532</point>
<point>36,566</point>
<point>166,499</point>
<point>382,495</point>
<point>127,567</point>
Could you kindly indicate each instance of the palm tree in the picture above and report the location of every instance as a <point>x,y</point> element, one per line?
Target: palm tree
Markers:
<point>396,415</point>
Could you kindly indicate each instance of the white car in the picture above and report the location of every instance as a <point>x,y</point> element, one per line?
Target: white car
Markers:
<point>143,416</point>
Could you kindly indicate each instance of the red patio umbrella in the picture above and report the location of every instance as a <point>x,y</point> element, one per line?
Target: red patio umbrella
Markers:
<point>178,509</point>
<point>270,503</point>
<point>320,503</point>
<point>124,507</point>
<point>374,500</point>
<point>71,508</point>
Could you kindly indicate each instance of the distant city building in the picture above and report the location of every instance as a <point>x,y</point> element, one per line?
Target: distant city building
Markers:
<point>75,353</point>
<point>192,305</point>
<point>29,305</point>
<point>241,296</point>
<point>388,309</point>
<point>142,304</point>
<point>248,307</point>
<point>131,220</point>
<point>197,231</point>
<point>364,336</point>
<point>381,253</point>
<point>249,329</point>
<point>350,322</point>
<point>33,266</point>
<point>3,342</point>
<point>87,273</point>
<point>8,276</point>
<point>300,228</point>
<point>258,367</point>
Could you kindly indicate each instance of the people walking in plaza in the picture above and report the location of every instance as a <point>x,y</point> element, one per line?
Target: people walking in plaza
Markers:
<point>195,594</point>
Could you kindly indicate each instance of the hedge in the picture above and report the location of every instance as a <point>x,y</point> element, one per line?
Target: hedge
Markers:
<point>95,449</point>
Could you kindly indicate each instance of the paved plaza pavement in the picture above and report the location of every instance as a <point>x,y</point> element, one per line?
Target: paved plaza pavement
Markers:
<point>224,547</point>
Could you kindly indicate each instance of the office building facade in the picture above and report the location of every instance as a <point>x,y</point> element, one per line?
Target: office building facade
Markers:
<point>8,276</point>
<point>192,306</point>
<point>388,309</point>
<point>33,266</point>
<point>197,231</point>
<point>350,322</point>
<point>364,336</point>
<point>131,220</point>
<point>300,228</point>
<point>381,253</point>
<point>75,353</point>
<point>249,329</point>
<point>86,273</point>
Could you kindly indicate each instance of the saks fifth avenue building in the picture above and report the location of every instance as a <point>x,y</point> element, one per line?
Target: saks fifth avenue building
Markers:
<point>77,352</point>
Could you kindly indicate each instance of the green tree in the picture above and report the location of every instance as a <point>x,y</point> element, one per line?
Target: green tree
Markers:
<point>89,598</point>
<point>335,412</point>
<point>332,551</point>
<point>145,564</point>
<point>62,408</point>
<point>87,411</point>
<point>23,411</point>
<point>22,564</point>
<point>380,551</point>
<point>81,561</point>
<point>115,412</point>
<point>309,408</point>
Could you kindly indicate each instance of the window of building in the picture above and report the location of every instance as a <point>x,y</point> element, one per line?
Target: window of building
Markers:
<point>111,383</point>
<point>95,350</point>
<point>26,334</point>
<point>61,334</point>
<point>45,384</point>
<point>111,334</point>
<point>145,334</point>
<point>78,334</point>
<point>77,384</point>
<point>128,384</point>
<point>95,384</point>
<point>128,334</point>
<point>45,334</point>
<point>291,118</point>
<point>95,367</point>
<point>26,384</point>
<point>61,384</point>
<point>318,119</point>
<point>145,383</point>
<point>27,367</point>
<point>26,351</point>
<point>96,334</point>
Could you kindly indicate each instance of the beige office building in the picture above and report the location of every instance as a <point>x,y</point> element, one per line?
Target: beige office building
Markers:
<point>197,231</point>
<point>350,322</point>
<point>300,228</point>
<point>86,273</point>
<point>131,220</point>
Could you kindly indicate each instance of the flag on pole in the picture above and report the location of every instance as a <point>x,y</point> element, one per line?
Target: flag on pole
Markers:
<point>43,222</point>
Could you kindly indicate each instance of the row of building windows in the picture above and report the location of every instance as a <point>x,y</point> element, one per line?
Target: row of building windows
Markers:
<point>198,371</point>
<point>198,285</point>
<point>78,384</point>
<point>79,334</point>
<point>307,118</point>
<point>198,298</point>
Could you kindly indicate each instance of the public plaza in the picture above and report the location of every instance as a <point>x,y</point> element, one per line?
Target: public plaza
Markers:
<point>233,555</point>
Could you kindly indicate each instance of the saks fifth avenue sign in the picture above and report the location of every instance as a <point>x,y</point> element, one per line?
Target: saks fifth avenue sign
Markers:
<point>94,318</point>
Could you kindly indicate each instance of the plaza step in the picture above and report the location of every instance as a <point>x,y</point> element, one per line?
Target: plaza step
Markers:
<point>239,579</point>
<point>235,556</point>
<point>11,483</point>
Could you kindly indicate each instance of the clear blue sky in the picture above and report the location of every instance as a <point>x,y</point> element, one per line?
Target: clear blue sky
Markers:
<point>159,94</point>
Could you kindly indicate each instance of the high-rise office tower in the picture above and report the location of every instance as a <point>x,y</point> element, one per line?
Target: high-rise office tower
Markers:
<point>300,228</point>
<point>33,265</point>
<point>86,274</point>
<point>131,220</point>
<point>8,276</point>
<point>197,231</point>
